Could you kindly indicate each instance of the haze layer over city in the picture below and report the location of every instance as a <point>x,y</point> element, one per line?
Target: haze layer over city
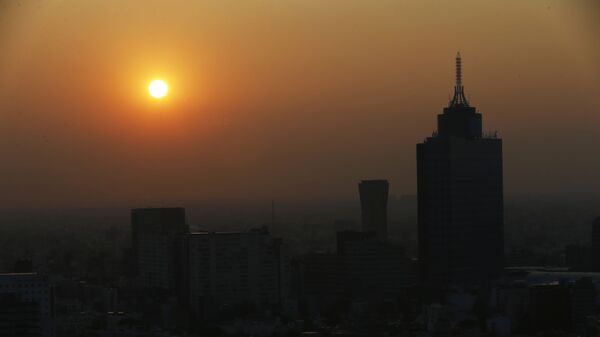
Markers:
<point>284,100</point>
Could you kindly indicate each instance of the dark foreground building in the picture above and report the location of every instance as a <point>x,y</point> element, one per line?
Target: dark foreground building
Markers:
<point>26,305</point>
<point>157,236</point>
<point>230,272</point>
<point>460,197</point>
<point>373,204</point>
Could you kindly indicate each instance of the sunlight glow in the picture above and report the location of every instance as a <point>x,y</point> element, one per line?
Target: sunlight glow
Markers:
<point>158,89</point>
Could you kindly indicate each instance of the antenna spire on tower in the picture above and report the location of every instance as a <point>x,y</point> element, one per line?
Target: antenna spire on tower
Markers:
<point>459,98</point>
<point>458,70</point>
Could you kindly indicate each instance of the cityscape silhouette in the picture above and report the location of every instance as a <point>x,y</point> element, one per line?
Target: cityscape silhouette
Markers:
<point>274,169</point>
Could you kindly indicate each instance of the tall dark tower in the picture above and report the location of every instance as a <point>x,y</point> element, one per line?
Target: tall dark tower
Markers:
<point>157,236</point>
<point>460,197</point>
<point>596,245</point>
<point>373,205</point>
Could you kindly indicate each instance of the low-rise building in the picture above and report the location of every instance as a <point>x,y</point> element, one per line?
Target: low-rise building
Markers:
<point>26,305</point>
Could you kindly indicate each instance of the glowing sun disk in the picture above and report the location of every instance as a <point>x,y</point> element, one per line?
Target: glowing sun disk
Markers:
<point>158,89</point>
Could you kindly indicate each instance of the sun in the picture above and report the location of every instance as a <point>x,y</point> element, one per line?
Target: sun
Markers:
<point>158,89</point>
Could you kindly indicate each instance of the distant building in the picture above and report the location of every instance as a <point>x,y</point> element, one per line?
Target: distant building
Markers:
<point>364,267</point>
<point>23,266</point>
<point>321,279</point>
<point>157,244</point>
<point>460,197</point>
<point>346,240</point>
<point>26,305</point>
<point>519,257</point>
<point>512,300</point>
<point>499,326</point>
<point>549,308</point>
<point>541,301</point>
<point>344,225</point>
<point>236,270</point>
<point>373,205</point>
<point>583,302</point>
<point>596,245</point>
<point>372,268</point>
<point>577,257</point>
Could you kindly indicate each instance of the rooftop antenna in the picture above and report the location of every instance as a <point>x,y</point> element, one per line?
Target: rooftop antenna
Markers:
<point>458,70</point>
<point>459,98</point>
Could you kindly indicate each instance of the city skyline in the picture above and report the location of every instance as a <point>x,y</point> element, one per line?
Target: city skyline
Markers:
<point>299,168</point>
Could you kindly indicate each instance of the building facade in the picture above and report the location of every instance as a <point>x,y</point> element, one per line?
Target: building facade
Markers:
<point>157,245</point>
<point>372,268</point>
<point>26,305</point>
<point>460,197</point>
<point>373,205</point>
<point>229,270</point>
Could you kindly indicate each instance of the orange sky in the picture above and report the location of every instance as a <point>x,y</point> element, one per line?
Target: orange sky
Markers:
<point>284,99</point>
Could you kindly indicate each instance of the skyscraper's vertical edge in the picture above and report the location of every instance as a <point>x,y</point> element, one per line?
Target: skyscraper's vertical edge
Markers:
<point>422,237</point>
<point>596,245</point>
<point>501,256</point>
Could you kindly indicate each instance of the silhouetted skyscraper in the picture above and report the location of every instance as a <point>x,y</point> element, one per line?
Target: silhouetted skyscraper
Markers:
<point>577,257</point>
<point>157,241</point>
<point>596,245</point>
<point>373,204</point>
<point>460,196</point>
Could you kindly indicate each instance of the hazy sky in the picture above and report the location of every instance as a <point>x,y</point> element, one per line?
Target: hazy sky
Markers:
<point>285,99</point>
